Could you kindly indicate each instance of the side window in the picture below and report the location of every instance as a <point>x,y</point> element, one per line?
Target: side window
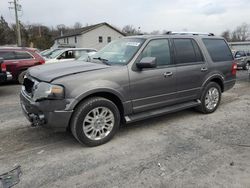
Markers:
<point>218,50</point>
<point>199,56</point>
<point>160,50</point>
<point>100,39</point>
<point>240,53</point>
<point>185,51</point>
<point>23,55</point>
<point>7,55</point>
<point>109,39</point>
<point>69,54</point>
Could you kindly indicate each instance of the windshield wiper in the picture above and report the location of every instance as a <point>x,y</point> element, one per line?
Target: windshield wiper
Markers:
<point>104,61</point>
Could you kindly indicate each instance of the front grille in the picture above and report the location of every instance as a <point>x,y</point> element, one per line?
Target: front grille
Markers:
<point>28,85</point>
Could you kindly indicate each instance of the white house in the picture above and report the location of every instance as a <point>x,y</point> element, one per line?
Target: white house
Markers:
<point>94,36</point>
<point>240,46</point>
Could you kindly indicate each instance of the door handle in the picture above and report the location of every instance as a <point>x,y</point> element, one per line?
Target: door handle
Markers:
<point>168,74</point>
<point>204,69</point>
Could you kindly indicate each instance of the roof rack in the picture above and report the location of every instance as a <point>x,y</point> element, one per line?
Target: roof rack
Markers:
<point>188,33</point>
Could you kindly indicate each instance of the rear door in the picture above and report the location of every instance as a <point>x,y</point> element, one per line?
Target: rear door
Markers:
<point>190,68</point>
<point>221,57</point>
<point>154,87</point>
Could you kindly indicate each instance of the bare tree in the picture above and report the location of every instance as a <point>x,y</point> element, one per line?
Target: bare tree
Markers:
<point>77,25</point>
<point>226,34</point>
<point>130,30</point>
<point>241,33</point>
<point>156,32</point>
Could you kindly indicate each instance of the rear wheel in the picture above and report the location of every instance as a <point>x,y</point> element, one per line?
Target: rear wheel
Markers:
<point>21,77</point>
<point>95,121</point>
<point>210,98</point>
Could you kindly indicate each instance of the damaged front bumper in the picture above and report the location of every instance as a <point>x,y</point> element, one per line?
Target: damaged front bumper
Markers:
<point>45,113</point>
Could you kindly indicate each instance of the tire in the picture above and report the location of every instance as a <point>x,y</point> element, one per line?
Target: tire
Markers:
<point>100,127</point>
<point>246,67</point>
<point>216,92</point>
<point>21,77</point>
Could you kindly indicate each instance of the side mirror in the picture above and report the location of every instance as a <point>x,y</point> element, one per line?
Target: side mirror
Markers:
<point>146,62</point>
<point>238,56</point>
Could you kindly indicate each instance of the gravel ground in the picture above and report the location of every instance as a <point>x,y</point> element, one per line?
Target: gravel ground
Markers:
<point>184,149</point>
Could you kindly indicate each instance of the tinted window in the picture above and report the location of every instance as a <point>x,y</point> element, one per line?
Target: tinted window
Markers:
<point>198,54</point>
<point>7,55</point>
<point>218,50</point>
<point>185,51</point>
<point>160,50</point>
<point>23,55</point>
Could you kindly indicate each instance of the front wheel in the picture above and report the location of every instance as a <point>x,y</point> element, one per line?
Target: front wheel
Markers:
<point>210,98</point>
<point>95,121</point>
<point>246,67</point>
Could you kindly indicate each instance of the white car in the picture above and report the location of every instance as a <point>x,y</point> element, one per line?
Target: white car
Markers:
<point>67,54</point>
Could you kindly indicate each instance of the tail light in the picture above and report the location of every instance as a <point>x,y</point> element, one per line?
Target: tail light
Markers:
<point>42,61</point>
<point>3,67</point>
<point>234,68</point>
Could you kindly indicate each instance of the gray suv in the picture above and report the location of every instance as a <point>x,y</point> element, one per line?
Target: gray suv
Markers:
<point>130,79</point>
<point>243,59</point>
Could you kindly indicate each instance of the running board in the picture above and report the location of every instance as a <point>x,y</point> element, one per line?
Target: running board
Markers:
<point>161,111</point>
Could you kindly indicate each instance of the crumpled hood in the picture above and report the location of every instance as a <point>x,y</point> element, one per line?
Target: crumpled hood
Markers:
<point>50,72</point>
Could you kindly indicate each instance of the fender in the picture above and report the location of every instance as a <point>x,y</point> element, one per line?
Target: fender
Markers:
<point>92,91</point>
<point>217,76</point>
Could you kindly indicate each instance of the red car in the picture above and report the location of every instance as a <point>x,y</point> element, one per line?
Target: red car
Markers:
<point>18,60</point>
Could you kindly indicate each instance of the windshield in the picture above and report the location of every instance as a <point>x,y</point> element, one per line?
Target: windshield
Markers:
<point>120,51</point>
<point>55,53</point>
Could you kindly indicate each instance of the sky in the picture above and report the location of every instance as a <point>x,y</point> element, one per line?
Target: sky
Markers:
<point>213,16</point>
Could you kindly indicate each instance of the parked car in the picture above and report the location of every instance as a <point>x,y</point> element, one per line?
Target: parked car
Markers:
<point>130,79</point>
<point>18,60</point>
<point>67,54</point>
<point>4,75</point>
<point>243,59</point>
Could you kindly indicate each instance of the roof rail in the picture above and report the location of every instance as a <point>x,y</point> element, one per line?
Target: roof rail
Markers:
<point>188,33</point>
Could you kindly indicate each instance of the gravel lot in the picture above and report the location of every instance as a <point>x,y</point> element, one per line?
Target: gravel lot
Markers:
<point>184,149</point>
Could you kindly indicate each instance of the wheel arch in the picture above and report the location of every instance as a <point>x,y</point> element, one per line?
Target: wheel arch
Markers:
<point>114,97</point>
<point>217,79</point>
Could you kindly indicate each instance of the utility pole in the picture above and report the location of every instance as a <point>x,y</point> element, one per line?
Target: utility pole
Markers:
<point>17,8</point>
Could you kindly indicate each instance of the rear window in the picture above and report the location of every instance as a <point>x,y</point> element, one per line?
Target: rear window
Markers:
<point>218,50</point>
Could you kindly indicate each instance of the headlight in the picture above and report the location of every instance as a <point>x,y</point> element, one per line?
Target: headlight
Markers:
<point>48,91</point>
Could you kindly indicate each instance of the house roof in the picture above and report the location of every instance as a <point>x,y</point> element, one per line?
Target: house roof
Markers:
<point>87,29</point>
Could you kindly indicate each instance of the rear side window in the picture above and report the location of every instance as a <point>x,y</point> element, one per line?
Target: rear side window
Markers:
<point>23,55</point>
<point>7,55</point>
<point>187,51</point>
<point>218,50</point>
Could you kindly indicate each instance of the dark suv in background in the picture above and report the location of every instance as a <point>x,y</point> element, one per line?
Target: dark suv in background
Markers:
<point>130,79</point>
<point>18,60</point>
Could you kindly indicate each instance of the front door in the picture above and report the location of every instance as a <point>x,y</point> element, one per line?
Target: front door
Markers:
<point>154,87</point>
